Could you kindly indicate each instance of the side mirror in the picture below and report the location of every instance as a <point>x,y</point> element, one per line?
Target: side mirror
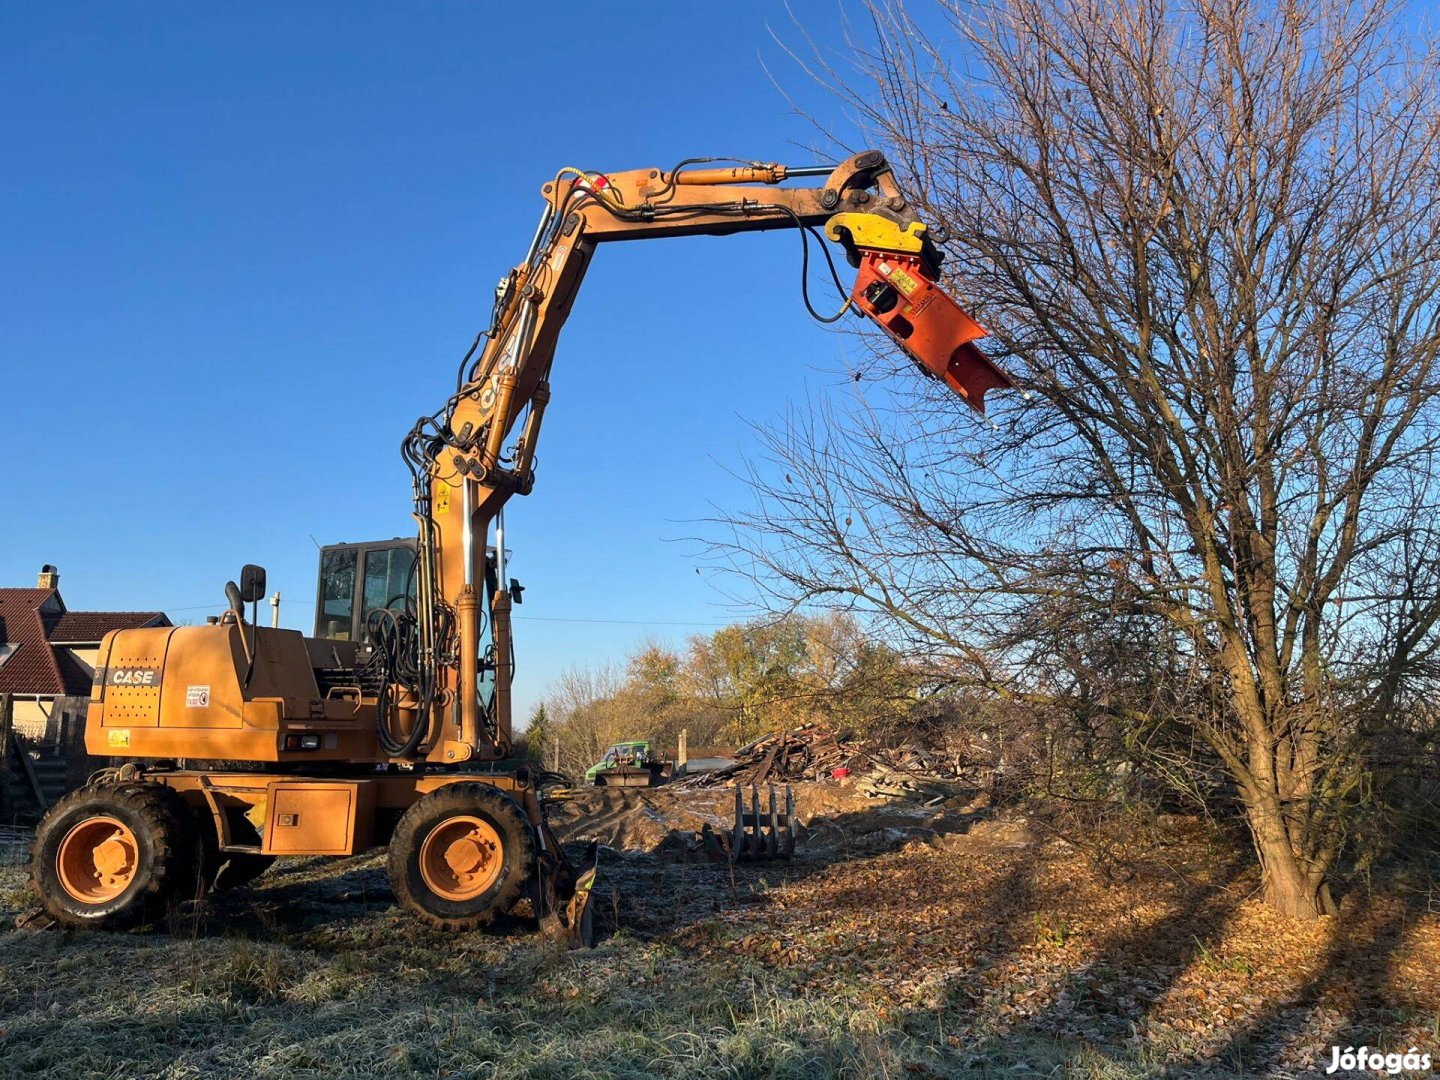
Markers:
<point>252,584</point>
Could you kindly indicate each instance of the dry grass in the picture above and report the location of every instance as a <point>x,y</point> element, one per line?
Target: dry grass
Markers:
<point>978,955</point>
<point>316,974</point>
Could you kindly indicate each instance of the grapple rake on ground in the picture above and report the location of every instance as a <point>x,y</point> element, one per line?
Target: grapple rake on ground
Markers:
<point>760,836</point>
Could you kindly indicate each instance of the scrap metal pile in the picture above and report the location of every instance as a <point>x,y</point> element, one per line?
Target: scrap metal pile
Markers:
<point>817,752</point>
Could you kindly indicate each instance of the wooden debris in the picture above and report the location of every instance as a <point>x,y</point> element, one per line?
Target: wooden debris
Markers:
<point>887,782</point>
<point>816,751</point>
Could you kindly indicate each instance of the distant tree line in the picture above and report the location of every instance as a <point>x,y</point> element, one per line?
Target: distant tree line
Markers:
<point>726,689</point>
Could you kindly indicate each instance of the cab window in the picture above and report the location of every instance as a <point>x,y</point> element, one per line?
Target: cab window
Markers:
<point>388,581</point>
<point>337,593</point>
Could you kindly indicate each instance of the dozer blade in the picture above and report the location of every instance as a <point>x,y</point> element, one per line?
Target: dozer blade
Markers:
<point>565,913</point>
<point>632,780</point>
<point>578,914</point>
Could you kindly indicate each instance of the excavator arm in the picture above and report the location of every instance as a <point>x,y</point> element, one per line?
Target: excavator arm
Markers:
<point>464,471</point>
<point>860,206</point>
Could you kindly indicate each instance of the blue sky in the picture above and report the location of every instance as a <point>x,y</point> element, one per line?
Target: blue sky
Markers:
<point>242,247</point>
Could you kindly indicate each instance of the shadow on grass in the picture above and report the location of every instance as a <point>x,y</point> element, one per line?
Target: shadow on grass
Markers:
<point>1030,985</point>
<point>653,894</point>
<point>640,893</point>
<point>1363,944</point>
<point>1095,1006</point>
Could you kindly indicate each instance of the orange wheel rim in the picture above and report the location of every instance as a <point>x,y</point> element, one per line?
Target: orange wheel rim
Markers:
<point>461,858</point>
<point>98,860</point>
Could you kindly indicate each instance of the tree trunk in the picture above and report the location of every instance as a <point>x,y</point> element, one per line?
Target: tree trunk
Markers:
<point>1292,888</point>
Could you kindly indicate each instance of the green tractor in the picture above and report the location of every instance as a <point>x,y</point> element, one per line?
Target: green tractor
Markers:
<point>630,764</point>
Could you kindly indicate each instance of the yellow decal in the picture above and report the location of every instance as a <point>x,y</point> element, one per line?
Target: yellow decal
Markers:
<point>901,280</point>
<point>119,738</point>
<point>256,814</point>
<point>442,498</point>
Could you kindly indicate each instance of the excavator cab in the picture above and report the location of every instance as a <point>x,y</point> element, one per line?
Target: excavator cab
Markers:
<point>357,580</point>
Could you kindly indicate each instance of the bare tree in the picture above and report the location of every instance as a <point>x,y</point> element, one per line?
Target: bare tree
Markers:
<point>583,722</point>
<point>1204,235</point>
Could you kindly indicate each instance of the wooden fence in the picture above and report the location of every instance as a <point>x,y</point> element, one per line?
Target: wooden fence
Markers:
<point>34,773</point>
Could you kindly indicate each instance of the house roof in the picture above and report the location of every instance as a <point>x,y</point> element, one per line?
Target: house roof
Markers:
<point>32,668</point>
<point>34,621</point>
<point>88,627</point>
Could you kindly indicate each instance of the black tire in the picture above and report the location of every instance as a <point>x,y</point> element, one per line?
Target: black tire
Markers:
<point>165,856</point>
<point>517,855</point>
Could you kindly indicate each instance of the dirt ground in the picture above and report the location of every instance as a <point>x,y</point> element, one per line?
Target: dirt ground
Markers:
<point>832,816</point>
<point>901,941</point>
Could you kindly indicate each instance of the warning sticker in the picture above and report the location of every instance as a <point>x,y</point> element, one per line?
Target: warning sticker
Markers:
<point>120,738</point>
<point>442,498</point>
<point>197,697</point>
<point>900,279</point>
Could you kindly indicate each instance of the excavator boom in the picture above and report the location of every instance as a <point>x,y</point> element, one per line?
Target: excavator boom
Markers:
<point>464,466</point>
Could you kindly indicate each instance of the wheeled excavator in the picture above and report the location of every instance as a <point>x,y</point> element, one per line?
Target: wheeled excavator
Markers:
<point>232,743</point>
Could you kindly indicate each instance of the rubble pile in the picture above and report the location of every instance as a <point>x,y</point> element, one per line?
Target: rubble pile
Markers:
<point>817,752</point>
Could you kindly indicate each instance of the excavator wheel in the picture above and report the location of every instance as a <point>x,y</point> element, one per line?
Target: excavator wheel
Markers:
<point>114,856</point>
<point>462,855</point>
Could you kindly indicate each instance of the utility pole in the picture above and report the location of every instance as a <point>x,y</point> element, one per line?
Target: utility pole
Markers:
<point>275,609</point>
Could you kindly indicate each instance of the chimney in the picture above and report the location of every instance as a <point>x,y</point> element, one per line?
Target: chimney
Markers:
<point>49,578</point>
